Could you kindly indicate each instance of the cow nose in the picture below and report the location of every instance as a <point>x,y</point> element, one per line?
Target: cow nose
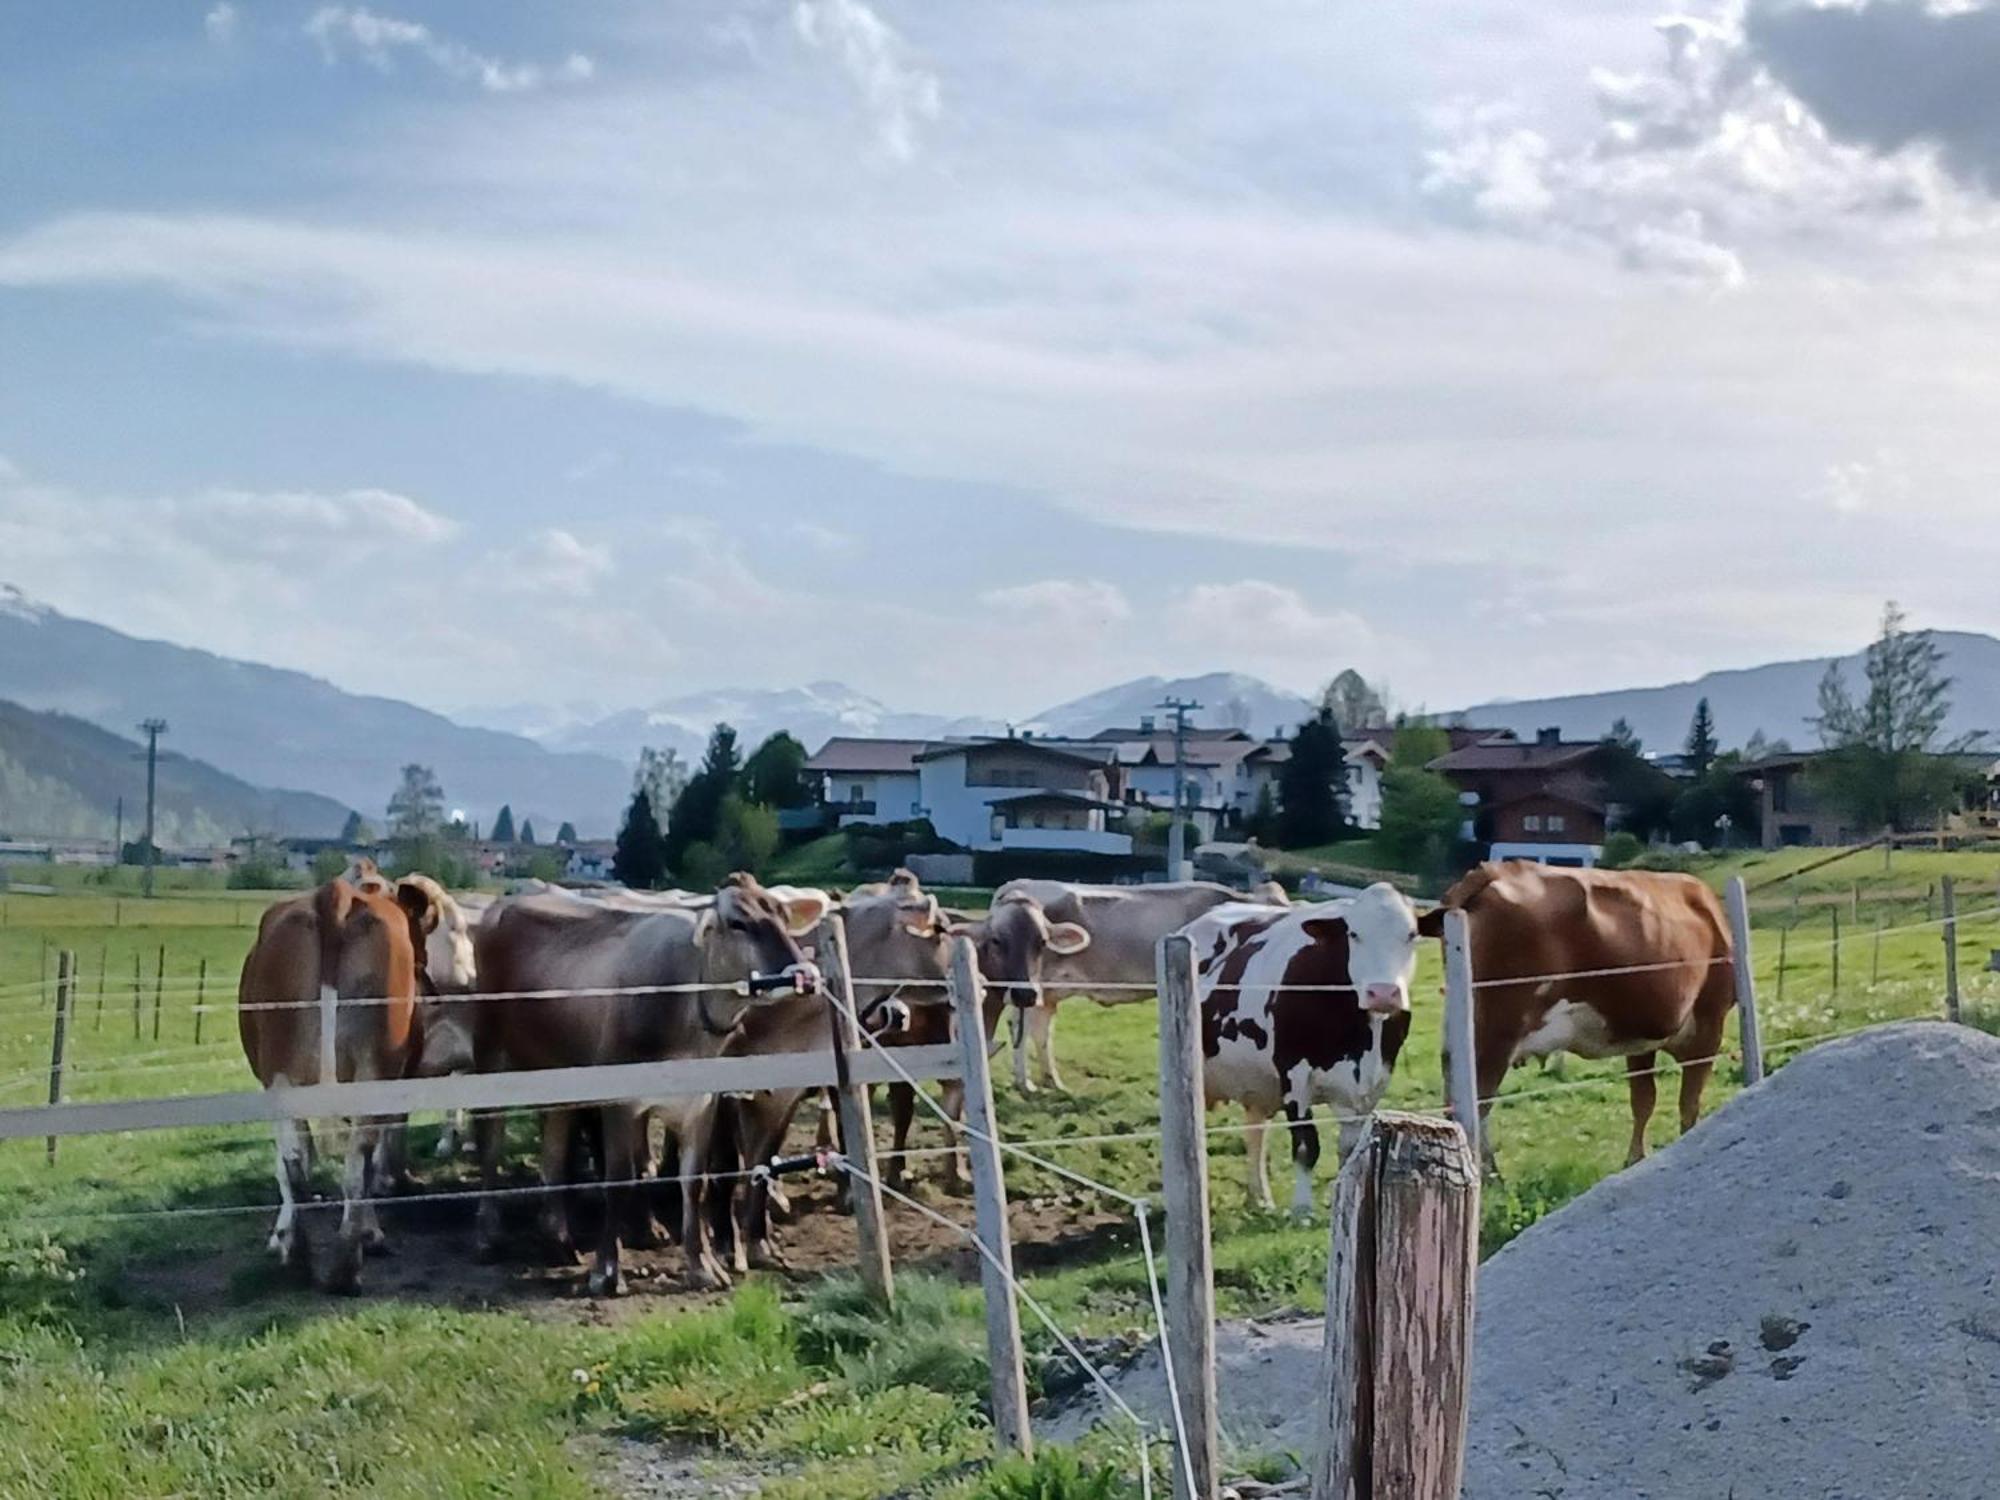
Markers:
<point>1384,999</point>
<point>806,978</point>
<point>1025,996</point>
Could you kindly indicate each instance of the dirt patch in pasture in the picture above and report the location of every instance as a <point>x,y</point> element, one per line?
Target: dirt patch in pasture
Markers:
<point>431,1256</point>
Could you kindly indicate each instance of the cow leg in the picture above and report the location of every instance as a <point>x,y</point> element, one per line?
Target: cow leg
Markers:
<point>558,1125</point>
<point>1696,1056</point>
<point>1349,1127</point>
<point>703,1268</point>
<point>393,1166</point>
<point>1256,1131</point>
<point>1305,1155</point>
<point>294,1184</point>
<point>902,1114</point>
<point>951,1098</point>
<point>1042,1030</point>
<point>345,1277</point>
<point>1644,1085</point>
<point>381,1165</point>
<point>619,1159</point>
<point>489,1130</point>
<point>645,1231</point>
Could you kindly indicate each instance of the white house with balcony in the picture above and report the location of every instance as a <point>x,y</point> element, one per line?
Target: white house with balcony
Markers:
<point>870,781</point>
<point>1022,794</point>
<point>1366,760</point>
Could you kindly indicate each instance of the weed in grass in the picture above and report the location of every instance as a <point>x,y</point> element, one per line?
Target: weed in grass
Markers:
<point>1053,1474</point>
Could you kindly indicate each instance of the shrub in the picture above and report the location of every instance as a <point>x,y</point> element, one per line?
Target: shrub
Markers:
<point>1622,850</point>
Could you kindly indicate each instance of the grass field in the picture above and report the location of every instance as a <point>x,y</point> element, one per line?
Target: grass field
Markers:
<point>158,1356</point>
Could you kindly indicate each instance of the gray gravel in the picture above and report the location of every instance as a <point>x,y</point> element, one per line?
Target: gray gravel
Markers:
<point>1802,1298</point>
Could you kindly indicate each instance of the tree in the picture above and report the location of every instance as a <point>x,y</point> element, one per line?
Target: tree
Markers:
<point>1262,824</point>
<point>528,832</point>
<point>503,825</point>
<point>1417,744</point>
<point>356,830</point>
<point>1723,792</point>
<point>566,835</point>
<point>1758,747</point>
<point>746,835</point>
<point>1312,786</point>
<point>1422,819</point>
<point>327,865</point>
<point>1352,704</point>
<point>1625,736</point>
<point>663,774</point>
<point>775,773</point>
<point>1883,764</point>
<point>697,811</point>
<point>1700,747</point>
<point>1638,795</point>
<point>416,807</point>
<point>639,858</point>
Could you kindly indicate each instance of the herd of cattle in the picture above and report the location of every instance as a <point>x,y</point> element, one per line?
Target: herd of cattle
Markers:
<point>1301,1005</point>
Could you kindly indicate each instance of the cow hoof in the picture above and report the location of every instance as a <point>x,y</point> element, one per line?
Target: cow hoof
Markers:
<point>606,1281</point>
<point>779,1202</point>
<point>708,1275</point>
<point>1025,1087</point>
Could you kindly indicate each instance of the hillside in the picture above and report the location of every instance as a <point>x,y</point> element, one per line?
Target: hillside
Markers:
<point>62,777</point>
<point>1779,699</point>
<point>1228,699</point>
<point>273,727</point>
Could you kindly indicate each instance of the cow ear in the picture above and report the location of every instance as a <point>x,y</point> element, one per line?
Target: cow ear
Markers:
<point>1066,938</point>
<point>928,925</point>
<point>805,910</point>
<point>417,903</point>
<point>1431,923</point>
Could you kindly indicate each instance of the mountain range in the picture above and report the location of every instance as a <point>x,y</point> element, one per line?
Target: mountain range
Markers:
<point>63,778</point>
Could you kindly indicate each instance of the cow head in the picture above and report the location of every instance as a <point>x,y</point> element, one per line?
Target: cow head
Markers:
<point>1381,948</point>
<point>1016,939</point>
<point>753,934</point>
<point>443,941</point>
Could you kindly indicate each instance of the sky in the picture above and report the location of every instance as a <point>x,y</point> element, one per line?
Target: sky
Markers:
<point>982,355</point>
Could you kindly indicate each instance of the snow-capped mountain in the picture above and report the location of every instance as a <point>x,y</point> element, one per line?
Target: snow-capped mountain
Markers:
<point>1233,700</point>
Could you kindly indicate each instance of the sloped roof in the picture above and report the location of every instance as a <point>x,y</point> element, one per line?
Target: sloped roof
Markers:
<point>1089,755</point>
<point>860,756</point>
<point>1517,755</point>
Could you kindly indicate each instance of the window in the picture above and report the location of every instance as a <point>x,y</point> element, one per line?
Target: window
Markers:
<point>1531,823</point>
<point>1557,822</point>
<point>857,792</point>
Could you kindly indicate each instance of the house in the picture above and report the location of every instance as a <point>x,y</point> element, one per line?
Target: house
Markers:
<point>1532,799</point>
<point>1789,812</point>
<point>590,859</point>
<point>1023,793</point>
<point>1214,770</point>
<point>869,781</point>
<point>1367,759</point>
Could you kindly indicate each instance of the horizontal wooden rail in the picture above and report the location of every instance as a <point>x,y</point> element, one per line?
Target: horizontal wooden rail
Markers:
<point>548,1086</point>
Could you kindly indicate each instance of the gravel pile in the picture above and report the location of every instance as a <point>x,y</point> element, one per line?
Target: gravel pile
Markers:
<point>1802,1298</point>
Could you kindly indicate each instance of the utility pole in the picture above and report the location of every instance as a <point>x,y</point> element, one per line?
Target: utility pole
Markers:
<point>118,839</point>
<point>1180,708</point>
<point>153,729</point>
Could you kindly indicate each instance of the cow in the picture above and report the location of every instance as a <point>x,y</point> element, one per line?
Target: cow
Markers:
<point>1300,1006</point>
<point>530,946</point>
<point>336,944</point>
<point>1123,926</point>
<point>1540,935</point>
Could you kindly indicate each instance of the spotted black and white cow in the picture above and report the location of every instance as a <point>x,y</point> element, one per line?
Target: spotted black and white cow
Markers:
<point>1301,1006</point>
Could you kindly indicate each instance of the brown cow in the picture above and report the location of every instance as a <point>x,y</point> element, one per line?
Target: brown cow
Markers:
<point>1666,932</point>
<point>342,944</point>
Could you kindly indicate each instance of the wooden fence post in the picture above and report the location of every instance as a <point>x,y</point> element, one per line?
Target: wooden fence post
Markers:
<point>1875,960</point>
<point>1397,1360</point>
<point>135,997</point>
<point>989,1189</point>
<point>1949,891</point>
<point>200,998</point>
<point>65,1003</point>
<point>1746,984</point>
<point>1184,1189</point>
<point>103,974</point>
<point>1834,912</point>
<point>1784,942</point>
<point>1461,1073</point>
<point>857,1121</point>
<point>159,985</point>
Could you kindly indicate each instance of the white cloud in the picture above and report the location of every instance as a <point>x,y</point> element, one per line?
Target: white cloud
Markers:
<point>1062,605</point>
<point>1255,616</point>
<point>551,561</point>
<point>376,39</point>
<point>899,93</point>
<point>822,538</point>
<point>221,23</point>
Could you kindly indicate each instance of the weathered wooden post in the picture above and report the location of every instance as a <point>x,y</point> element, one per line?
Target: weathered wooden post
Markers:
<point>103,974</point>
<point>1784,942</point>
<point>65,1004</point>
<point>1184,1188</point>
<point>1949,891</point>
<point>159,988</point>
<point>47,996</point>
<point>1397,1360</point>
<point>1746,984</point>
<point>857,1122</point>
<point>200,998</point>
<point>135,997</point>
<point>1461,1073</point>
<point>1875,959</point>
<point>989,1191</point>
<point>1834,912</point>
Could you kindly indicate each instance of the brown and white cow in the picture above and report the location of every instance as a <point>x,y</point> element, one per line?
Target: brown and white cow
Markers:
<point>1301,1006</point>
<point>547,943</point>
<point>1666,932</point>
<point>336,944</point>
<point>1115,962</point>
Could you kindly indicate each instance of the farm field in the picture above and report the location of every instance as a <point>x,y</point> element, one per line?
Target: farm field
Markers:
<point>149,1352</point>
